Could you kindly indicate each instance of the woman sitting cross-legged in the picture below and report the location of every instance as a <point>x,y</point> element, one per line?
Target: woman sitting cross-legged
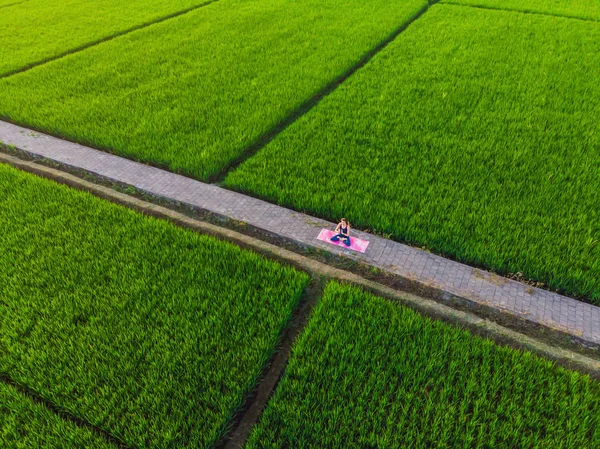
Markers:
<point>342,232</point>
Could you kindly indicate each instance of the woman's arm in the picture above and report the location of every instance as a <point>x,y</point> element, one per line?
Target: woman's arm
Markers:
<point>348,229</point>
<point>337,228</point>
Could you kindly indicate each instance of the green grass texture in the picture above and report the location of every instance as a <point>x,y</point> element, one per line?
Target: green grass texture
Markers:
<point>192,93</point>
<point>369,373</point>
<point>475,134</point>
<point>27,425</point>
<point>38,30</point>
<point>151,332</point>
<point>579,9</point>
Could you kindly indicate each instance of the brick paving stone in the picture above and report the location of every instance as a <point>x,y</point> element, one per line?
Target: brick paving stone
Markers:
<point>540,306</point>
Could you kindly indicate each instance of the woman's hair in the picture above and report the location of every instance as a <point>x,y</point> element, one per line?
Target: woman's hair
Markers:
<point>343,219</point>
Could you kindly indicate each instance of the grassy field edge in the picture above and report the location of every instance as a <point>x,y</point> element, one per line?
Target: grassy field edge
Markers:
<point>60,413</point>
<point>101,40</point>
<point>523,10</point>
<point>258,400</point>
<point>312,102</point>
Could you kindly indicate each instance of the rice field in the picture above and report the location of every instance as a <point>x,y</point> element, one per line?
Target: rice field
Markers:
<point>37,30</point>
<point>26,424</point>
<point>192,93</point>
<point>474,134</point>
<point>369,373</point>
<point>152,333</point>
<point>579,9</point>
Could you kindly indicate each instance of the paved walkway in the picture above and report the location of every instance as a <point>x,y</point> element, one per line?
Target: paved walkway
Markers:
<point>535,305</point>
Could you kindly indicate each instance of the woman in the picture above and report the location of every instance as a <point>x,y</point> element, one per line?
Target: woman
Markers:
<point>342,231</point>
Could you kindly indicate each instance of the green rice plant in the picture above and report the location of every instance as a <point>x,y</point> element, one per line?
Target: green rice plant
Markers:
<point>37,30</point>
<point>475,134</point>
<point>369,373</point>
<point>26,424</point>
<point>151,332</point>
<point>192,93</point>
<point>580,9</point>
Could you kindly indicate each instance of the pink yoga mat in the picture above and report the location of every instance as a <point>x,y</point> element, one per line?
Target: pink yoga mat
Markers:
<point>355,244</point>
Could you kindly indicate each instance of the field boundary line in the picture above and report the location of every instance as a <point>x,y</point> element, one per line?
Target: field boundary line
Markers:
<point>104,39</point>
<point>63,414</point>
<point>13,4</point>
<point>267,384</point>
<point>535,13</point>
<point>429,307</point>
<point>309,104</point>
